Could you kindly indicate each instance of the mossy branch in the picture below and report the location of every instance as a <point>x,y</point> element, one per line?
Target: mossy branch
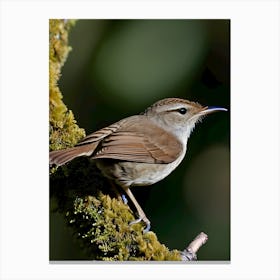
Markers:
<point>64,132</point>
<point>99,219</point>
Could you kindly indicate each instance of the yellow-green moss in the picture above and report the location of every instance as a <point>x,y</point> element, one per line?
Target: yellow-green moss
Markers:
<point>64,132</point>
<point>108,234</point>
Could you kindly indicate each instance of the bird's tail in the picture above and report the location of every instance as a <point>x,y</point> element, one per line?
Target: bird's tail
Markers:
<point>63,156</point>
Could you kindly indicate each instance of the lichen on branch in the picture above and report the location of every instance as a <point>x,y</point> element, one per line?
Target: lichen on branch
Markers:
<point>63,130</point>
<point>108,235</point>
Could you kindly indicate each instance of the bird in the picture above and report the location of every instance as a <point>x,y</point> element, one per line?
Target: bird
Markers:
<point>142,149</point>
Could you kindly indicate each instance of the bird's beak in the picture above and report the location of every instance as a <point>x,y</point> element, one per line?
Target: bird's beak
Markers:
<point>208,110</point>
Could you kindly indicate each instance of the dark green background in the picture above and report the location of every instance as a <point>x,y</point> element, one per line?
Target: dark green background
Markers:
<point>119,67</point>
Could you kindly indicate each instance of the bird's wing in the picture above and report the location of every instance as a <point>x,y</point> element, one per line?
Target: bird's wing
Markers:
<point>145,142</point>
<point>100,134</point>
<point>86,147</point>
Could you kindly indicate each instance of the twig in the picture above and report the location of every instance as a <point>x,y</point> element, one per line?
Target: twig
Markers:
<point>189,254</point>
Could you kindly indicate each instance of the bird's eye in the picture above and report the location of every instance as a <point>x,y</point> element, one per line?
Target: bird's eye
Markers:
<point>182,111</point>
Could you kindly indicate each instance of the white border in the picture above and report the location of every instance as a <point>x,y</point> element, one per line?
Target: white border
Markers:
<point>255,138</point>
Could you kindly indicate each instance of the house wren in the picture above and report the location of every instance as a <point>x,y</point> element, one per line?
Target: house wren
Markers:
<point>143,149</point>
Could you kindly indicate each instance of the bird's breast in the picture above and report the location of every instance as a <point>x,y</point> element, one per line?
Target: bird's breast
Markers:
<point>128,174</point>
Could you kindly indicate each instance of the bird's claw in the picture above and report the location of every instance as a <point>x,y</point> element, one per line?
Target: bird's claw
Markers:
<point>124,199</point>
<point>135,221</point>
<point>148,227</point>
<point>145,220</point>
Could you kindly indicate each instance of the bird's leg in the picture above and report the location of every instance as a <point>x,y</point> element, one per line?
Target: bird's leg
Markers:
<point>141,214</point>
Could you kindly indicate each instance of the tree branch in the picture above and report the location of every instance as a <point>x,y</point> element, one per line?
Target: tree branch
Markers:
<point>189,254</point>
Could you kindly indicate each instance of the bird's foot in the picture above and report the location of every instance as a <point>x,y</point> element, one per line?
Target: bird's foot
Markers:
<point>145,220</point>
<point>124,199</point>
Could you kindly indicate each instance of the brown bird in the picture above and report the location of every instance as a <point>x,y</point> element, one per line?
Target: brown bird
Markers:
<point>143,149</point>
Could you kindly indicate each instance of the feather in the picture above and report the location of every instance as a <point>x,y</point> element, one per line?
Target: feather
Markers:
<point>134,142</point>
<point>63,156</point>
<point>131,139</point>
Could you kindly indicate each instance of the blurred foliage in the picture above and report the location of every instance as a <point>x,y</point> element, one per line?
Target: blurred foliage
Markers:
<point>118,68</point>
